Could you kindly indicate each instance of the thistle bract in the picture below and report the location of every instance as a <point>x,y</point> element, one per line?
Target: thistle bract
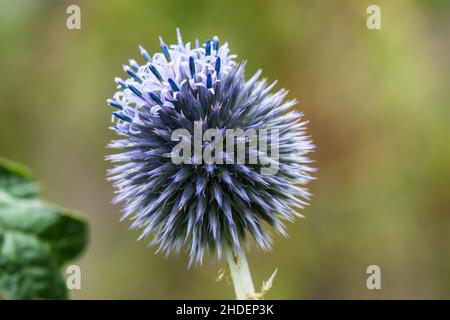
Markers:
<point>204,205</point>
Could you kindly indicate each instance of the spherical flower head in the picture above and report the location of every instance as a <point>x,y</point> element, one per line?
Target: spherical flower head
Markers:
<point>196,203</point>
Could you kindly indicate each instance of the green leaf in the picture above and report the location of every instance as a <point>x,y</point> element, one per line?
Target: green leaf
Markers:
<point>28,269</point>
<point>36,238</point>
<point>65,233</point>
<point>17,180</point>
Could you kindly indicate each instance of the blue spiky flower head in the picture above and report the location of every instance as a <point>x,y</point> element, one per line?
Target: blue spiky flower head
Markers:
<point>204,205</point>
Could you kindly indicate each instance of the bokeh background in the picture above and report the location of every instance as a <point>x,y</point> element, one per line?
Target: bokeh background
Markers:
<point>379,106</point>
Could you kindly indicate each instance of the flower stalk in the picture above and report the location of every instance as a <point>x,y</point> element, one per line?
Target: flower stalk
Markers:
<point>240,273</point>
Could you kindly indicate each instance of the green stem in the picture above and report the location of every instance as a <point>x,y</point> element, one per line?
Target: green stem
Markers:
<point>240,273</point>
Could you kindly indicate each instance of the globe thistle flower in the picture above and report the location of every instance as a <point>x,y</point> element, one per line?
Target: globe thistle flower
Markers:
<point>200,205</point>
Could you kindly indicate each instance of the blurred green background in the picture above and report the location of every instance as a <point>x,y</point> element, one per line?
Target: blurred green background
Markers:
<point>379,106</point>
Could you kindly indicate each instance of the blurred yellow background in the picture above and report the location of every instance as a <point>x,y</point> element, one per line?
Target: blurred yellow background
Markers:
<point>379,106</point>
